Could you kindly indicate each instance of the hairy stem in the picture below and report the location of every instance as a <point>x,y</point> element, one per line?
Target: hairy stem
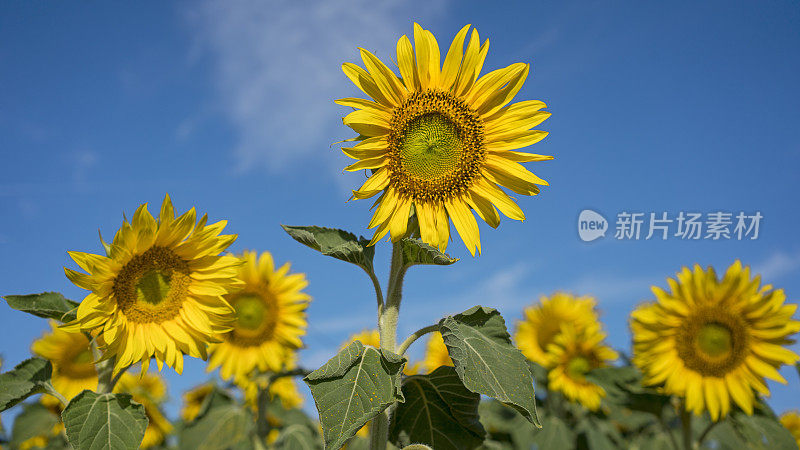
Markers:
<point>52,391</point>
<point>387,327</point>
<point>414,336</point>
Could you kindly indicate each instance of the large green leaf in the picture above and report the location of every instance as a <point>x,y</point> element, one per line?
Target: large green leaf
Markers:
<point>758,431</point>
<point>26,379</point>
<point>48,305</point>
<point>297,437</point>
<point>486,360</point>
<point>414,251</point>
<point>104,421</point>
<point>223,425</point>
<point>624,388</point>
<point>353,387</point>
<point>337,243</point>
<point>34,420</point>
<point>439,412</point>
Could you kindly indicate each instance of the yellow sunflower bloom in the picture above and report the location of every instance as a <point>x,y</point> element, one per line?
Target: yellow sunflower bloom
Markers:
<point>436,354</point>
<point>150,391</point>
<point>71,357</point>
<point>270,319</point>
<point>159,292</point>
<point>572,354</point>
<point>543,322</point>
<point>791,420</point>
<point>440,139</point>
<point>283,389</point>
<point>710,340</point>
<point>193,400</point>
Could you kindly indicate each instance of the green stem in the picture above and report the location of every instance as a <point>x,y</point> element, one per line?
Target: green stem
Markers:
<point>686,428</point>
<point>416,335</point>
<point>52,391</point>
<point>387,327</point>
<point>705,432</point>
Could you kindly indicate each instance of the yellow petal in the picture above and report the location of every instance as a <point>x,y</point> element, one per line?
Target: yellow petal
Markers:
<point>452,62</point>
<point>465,224</point>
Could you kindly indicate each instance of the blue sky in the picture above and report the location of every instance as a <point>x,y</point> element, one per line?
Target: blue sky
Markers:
<point>228,106</point>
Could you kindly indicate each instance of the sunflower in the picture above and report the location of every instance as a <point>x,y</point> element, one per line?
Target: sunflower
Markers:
<point>710,340</point>
<point>150,391</point>
<point>270,319</point>
<point>71,357</point>
<point>440,139</point>
<point>283,389</point>
<point>159,292</point>
<point>193,401</point>
<point>436,353</point>
<point>791,420</point>
<point>572,354</point>
<point>543,322</point>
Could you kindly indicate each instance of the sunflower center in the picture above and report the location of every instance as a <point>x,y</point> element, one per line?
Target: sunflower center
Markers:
<point>151,287</point>
<point>256,318</point>
<point>712,341</point>
<point>577,367</point>
<point>431,147</point>
<point>435,146</point>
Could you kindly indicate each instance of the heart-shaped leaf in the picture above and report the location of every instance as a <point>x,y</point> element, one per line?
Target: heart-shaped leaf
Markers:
<point>26,379</point>
<point>104,421</point>
<point>48,305</point>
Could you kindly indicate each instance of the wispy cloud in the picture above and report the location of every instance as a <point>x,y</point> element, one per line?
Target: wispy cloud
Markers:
<point>277,68</point>
<point>777,265</point>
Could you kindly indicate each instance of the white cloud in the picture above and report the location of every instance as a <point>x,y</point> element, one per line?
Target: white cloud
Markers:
<point>777,265</point>
<point>277,67</point>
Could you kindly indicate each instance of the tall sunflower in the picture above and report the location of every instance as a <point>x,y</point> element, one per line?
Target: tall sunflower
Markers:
<point>270,319</point>
<point>573,353</point>
<point>71,357</point>
<point>150,391</point>
<point>436,353</point>
<point>159,292</point>
<point>543,322</point>
<point>710,340</point>
<point>440,139</point>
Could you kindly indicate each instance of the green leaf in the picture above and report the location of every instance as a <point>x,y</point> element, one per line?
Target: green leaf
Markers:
<point>221,427</point>
<point>440,412</point>
<point>48,305</point>
<point>26,379</point>
<point>762,432</point>
<point>353,387</point>
<point>297,437</point>
<point>34,420</point>
<point>555,434</point>
<point>486,360</point>
<point>104,421</point>
<point>624,388</point>
<point>339,244</point>
<point>217,398</point>
<point>414,251</point>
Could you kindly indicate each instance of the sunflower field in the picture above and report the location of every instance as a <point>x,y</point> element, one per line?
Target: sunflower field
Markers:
<point>441,143</point>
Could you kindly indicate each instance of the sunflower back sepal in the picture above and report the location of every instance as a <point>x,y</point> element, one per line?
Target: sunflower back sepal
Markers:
<point>352,388</point>
<point>416,252</point>
<point>104,421</point>
<point>339,244</point>
<point>221,423</point>
<point>487,362</point>
<point>441,403</point>
<point>27,378</point>
<point>47,305</point>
